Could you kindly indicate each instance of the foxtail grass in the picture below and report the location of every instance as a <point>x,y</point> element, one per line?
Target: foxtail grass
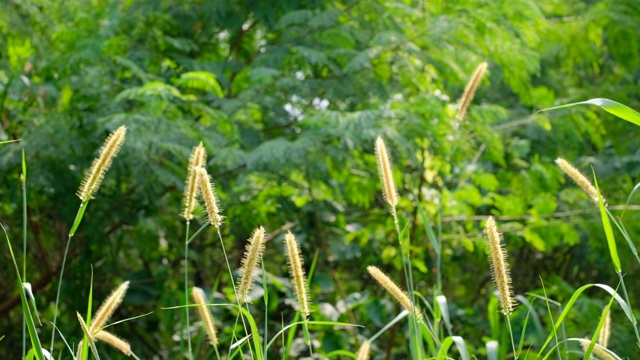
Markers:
<point>390,194</point>
<point>598,350</point>
<point>205,315</point>
<point>605,333</point>
<point>394,290</point>
<point>298,280</point>
<point>386,173</point>
<point>579,179</point>
<point>118,343</point>
<point>253,254</point>
<point>88,188</point>
<point>208,197</point>
<point>109,306</point>
<point>501,274</point>
<point>365,349</point>
<point>197,159</point>
<point>94,176</point>
<point>470,89</point>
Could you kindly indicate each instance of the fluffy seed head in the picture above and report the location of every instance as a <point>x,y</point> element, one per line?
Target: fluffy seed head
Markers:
<point>94,176</point>
<point>470,89</point>
<point>598,350</point>
<point>393,289</point>
<point>250,261</point>
<point>386,173</point>
<point>298,279</point>
<point>108,307</point>
<point>365,349</point>
<point>198,158</point>
<point>114,341</point>
<point>205,315</point>
<point>88,335</point>
<point>605,332</point>
<point>579,179</point>
<point>208,196</point>
<point>499,268</point>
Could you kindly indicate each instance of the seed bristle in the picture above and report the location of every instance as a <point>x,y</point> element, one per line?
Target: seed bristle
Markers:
<point>298,279</point>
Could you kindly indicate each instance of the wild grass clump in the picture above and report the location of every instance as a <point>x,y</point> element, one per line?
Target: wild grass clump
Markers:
<point>429,326</point>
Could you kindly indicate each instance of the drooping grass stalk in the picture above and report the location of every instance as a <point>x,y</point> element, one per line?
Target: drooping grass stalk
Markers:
<point>389,190</point>
<point>88,188</point>
<point>114,341</point>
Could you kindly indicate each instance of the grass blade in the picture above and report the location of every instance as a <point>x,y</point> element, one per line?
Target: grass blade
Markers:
<point>31,326</point>
<point>610,106</point>
<point>608,231</point>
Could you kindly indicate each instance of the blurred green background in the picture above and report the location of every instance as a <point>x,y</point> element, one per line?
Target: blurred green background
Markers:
<point>288,98</point>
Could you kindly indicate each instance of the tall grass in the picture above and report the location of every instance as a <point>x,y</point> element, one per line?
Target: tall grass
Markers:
<point>428,325</point>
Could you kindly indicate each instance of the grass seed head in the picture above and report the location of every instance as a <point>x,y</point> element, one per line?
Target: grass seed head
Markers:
<point>499,267</point>
<point>393,289</point>
<point>108,307</point>
<point>298,279</point>
<point>605,332</point>
<point>599,351</point>
<point>365,349</point>
<point>470,89</point>
<point>579,179</point>
<point>94,176</point>
<point>114,341</point>
<point>386,173</point>
<point>198,158</point>
<point>205,315</point>
<point>253,253</point>
<point>208,196</point>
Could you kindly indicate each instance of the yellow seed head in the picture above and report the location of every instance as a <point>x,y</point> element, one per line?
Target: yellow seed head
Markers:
<point>365,349</point>
<point>298,279</point>
<point>393,289</point>
<point>93,177</point>
<point>114,341</point>
<point>87,334</point>
<point>598,350</point>
<point>253,253</point>
<point>579,179</point>
<point>205,315</point>
<point>198,158</point>
<point>605,332</point>
<point>108,307</point>
<point>208,196</point>
<point>470,89</point>
<point>499,267</point>
<point>386,173</point>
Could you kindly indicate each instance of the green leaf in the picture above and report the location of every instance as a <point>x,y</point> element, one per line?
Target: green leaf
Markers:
<point>608,231</point>
<point>610,106</point>
<point>31,326</point>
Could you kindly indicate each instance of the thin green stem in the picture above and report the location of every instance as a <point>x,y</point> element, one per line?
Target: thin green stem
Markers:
<point>24,257</point>
<point>76,223</point>
<point>626,298</point>
<point>513,343</point>
<point>186,289</point>
<point>406,264</point>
